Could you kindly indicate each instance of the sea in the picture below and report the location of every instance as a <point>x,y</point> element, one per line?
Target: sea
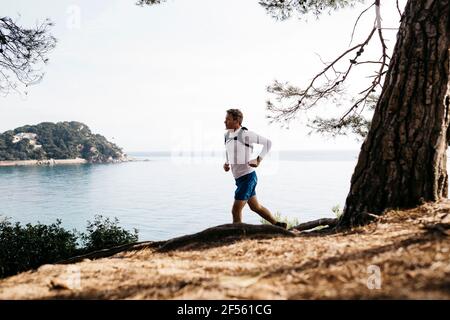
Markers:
<point>165,194</point>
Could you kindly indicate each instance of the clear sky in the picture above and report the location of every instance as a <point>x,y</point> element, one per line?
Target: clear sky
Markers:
<point>159,78</point>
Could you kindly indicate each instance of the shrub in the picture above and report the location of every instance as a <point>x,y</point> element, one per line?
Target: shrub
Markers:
<point>30,246</point>
<point>27,247</point>
<point>104,233</point>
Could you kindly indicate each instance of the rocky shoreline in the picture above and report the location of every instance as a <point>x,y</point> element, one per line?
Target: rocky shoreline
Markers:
<point>51,162</point>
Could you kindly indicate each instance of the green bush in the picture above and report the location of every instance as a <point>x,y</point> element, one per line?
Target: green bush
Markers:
<point>30,246</point>
<point>104,233</point>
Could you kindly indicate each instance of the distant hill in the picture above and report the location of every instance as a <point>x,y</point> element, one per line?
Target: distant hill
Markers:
<point>62,140</point>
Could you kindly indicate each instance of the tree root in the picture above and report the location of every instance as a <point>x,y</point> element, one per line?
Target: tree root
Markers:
<point>112,251</point>
<point>331,223</point>
<point>222,233</point>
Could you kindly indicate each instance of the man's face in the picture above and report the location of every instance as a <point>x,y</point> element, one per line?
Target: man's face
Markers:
<point>230,123</point>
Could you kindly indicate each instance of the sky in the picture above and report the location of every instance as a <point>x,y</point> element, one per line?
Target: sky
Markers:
<point>162,77</point>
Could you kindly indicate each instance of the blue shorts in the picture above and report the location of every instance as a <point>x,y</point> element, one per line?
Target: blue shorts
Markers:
<point>246,186</point>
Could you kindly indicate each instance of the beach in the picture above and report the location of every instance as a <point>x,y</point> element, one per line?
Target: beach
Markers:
<point>46,162</point>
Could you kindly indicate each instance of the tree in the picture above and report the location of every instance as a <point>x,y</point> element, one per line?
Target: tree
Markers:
<point>22,53</point>
<point>402,161</point>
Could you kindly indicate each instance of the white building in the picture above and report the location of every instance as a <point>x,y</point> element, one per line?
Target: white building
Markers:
<point>27,135</point>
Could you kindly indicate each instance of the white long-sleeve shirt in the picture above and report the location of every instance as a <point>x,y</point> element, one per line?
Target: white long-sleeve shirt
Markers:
<point>238,155</point>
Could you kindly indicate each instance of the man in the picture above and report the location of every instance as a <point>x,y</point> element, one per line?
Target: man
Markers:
<point>239,144</point>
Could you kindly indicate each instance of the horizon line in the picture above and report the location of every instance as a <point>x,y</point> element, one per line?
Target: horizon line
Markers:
<point>222,150</point>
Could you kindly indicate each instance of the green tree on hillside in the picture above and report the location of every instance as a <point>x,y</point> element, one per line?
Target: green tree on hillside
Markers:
<point>63,140</point>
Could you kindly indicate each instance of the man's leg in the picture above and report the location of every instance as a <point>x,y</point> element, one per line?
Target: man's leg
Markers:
<point>238,205</point>
<point>259,209</point>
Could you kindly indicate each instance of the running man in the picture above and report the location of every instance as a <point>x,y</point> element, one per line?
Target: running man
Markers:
<point>239,144</point>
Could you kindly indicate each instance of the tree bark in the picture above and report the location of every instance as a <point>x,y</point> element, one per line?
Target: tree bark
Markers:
<point>402,162</point>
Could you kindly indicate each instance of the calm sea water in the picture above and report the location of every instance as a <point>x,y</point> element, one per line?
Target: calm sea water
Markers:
<point>169,195</point>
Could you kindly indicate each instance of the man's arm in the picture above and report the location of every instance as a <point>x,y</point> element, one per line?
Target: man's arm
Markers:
<point>258,139</point>
<point>226,165</point>
<point>226,157</point>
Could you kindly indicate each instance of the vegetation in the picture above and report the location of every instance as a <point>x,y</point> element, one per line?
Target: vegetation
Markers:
<point>337,210</point>
<point>291,222</point>
<point>104,233</point>
<point>30,246</point>
<point>63,140</point>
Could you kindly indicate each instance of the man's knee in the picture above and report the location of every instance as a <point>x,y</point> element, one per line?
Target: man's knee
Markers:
<point>255,206</point>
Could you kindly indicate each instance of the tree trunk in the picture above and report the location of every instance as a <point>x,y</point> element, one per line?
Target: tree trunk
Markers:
<point>402,162</point>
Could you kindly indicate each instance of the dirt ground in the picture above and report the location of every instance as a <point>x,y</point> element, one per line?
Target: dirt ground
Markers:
<point>404,255</point>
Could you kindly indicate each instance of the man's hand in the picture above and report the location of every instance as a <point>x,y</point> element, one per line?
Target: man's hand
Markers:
<point>255,163</point>
<point>226,167</point>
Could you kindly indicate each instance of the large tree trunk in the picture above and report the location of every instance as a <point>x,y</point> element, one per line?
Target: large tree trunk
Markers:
<point>403,159</point>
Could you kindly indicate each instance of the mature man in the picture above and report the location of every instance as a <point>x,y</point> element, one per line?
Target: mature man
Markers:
<point>239,144</point>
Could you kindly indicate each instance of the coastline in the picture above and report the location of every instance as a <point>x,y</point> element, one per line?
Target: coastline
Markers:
<point>47,162</point>
<point>51,162</point>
